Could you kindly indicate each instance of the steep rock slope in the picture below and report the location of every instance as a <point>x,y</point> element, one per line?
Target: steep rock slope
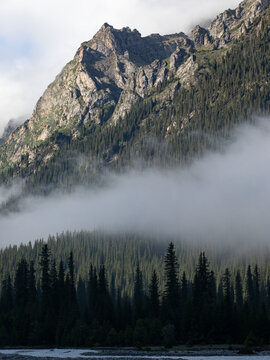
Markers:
<point>9,128</point>
<point>115,75</point>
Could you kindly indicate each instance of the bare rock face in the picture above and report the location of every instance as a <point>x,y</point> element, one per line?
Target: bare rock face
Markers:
<point>110,73</point>
<point>231,24</point>
<point>106,77</point>
<point>200,36</point>
<point>11,126</point>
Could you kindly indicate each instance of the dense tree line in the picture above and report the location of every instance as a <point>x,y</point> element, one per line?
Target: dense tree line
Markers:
<point>57,310</point>
<point>231,86</point>
<point>121,252</point>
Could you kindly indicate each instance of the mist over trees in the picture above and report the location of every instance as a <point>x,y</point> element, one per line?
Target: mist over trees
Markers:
<point>231,86</point>
<point>91,289</point>
<point>56,306</point>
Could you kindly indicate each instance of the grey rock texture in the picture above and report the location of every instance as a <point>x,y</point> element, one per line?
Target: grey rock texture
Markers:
<point>200,36</point>
<point>9,128</point>
<point>232,23</point>
<point>110,73</point>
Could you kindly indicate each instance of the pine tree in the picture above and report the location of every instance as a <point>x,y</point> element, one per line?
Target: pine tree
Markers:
<point>32,285</point>
<point>7,294</point>
<point>184,288</point>
<point>256,286</point>
<point>54,293</point>
<point>45,278</point>
<point>71,283</point>
<point>92,293</point>
<point>21,285</point>
<point>203,300</point>
<point>81,296</point>
<point>47,315</point>
<point>202,281</point>
<point>249,287</point>
<point>104,302</point>
<point>21,321</point>
<point>154,295</point>
<point>227,290</point>
<point>138,294</point>
<point>61,284</point>
<point>172,288</point>
<point>238,290</point>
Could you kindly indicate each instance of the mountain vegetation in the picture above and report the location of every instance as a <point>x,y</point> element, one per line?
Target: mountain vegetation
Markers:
<point>59,311</point>
<point>120,253</point>
<point>163,100</point>
<point>164,104</point>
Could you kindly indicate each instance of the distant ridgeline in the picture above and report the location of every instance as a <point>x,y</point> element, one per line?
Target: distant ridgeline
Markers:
<point>211,83</point>
<point>97,309</point>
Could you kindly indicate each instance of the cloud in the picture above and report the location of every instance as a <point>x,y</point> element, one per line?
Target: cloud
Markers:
<point>37,38</point>
<point>224,197</point>
<point>13,191</point>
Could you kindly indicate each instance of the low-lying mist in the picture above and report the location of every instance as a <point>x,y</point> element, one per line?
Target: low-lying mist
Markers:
<point>7,192</point>
<point>222,197</point>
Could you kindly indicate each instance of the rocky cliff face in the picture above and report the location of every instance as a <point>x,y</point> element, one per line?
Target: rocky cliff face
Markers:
<point>9,128</point>
<point>232,23</point>
<point>110,73</point>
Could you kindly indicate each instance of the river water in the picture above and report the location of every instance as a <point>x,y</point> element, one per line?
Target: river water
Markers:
<point>114,354</point>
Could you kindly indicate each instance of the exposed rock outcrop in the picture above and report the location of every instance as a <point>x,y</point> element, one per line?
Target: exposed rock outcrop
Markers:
<point>110,73</point>
<point>232,23</point>
<point>11,126</point>
<point>200,36</point>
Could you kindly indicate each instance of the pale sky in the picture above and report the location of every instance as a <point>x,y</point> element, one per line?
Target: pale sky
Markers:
<point>37,38</point>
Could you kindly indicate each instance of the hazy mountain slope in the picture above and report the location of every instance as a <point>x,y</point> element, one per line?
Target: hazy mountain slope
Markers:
<point>122,92</point>
<point>9,128</point>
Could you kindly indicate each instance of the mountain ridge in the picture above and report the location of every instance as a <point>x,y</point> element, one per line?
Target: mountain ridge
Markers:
<point>109,75</point>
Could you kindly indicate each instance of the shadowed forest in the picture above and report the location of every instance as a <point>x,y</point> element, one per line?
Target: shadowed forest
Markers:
<point>66,310</point>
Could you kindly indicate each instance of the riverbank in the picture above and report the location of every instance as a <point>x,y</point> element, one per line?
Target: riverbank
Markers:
<point>129,354</point>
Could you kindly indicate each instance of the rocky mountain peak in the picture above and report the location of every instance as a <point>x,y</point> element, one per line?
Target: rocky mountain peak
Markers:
<point>105,26</point>
<point>232,23</point>
<point>110,73</point>
<point>11,126</point>
<point>109,40</point>
<point>200,36</point>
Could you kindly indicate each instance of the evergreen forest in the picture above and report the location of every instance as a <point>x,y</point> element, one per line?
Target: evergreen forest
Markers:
<point>47,302</point>
<point>231,87</point>
<point>97,289</point>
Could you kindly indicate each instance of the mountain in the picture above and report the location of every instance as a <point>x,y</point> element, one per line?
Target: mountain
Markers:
<point>162,99</point>
<point>9,128</point>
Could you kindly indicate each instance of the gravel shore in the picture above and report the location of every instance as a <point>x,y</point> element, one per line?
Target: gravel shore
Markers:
<point>123,354</point>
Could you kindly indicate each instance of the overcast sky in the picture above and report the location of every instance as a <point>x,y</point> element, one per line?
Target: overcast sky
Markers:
<point>37,38</point>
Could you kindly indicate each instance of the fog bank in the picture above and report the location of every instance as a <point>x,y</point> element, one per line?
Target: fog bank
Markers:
<point>222,197</point>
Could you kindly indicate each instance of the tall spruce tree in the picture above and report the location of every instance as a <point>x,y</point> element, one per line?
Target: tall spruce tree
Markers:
<point>202,281</point>
<point>203,300</point>
<point>92,293</point>
<point>7,294</point>
<point>249,287</point>
<point>32,285</point>
<point>256,286</point>
<point>45,278</point>
<point>138,294</point>
<point>21,293</point>
<point>238,290</point>
<point>172,288</point>
<point>154,295</point>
